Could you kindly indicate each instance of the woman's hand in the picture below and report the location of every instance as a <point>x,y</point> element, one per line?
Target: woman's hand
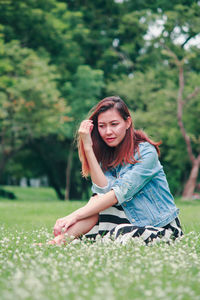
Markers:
<point>63,224</point>
<point>84,131</point>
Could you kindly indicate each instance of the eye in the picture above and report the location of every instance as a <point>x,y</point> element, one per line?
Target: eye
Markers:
<point>114,124</point>
<point>101,126</point>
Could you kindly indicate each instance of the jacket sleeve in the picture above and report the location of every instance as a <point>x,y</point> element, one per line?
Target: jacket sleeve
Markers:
<point>103,190</point>
<point>136,176</point>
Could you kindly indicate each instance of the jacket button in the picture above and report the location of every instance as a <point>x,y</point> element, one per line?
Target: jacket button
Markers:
<point>133,220</point>
<point>124,204</point>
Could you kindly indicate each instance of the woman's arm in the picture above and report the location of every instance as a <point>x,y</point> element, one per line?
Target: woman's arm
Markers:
<point>94,206</point>
<point>138,175</point>
<point>96,172</point>
<point>97,204</point>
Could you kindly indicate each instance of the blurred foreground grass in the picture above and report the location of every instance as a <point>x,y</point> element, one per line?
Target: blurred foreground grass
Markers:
<point>91,271</point>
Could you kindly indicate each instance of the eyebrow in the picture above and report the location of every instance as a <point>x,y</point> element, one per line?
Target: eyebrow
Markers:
<point>108,122</point>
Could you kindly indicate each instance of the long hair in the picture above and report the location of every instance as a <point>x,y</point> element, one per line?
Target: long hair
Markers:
<point>122,153</point>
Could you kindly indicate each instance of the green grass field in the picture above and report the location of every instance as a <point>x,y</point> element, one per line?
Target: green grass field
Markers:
<point>85,270</point>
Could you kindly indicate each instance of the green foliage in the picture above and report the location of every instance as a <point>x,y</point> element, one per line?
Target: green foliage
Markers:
<point>152,98</point>
<point>131,32</point>
<point>31,104</point>
<point>103,19</point>
<point>58,58</point>
<point>48,25</point>
<point>82,94</point>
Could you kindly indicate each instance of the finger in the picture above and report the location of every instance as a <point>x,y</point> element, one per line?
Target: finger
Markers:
<point>58,222</point>
<point>60,239</point>
<point>38,244</point>
<point>83,129</point>
<point>65,228</point>
<point>57,231</point>
<point>68,224</point>
<point>88,128</point>
<point>51,242</point>
<point>86,123</point>
<point>91,127</point>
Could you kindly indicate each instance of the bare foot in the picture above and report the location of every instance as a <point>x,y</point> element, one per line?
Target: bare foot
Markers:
<point>38,244</point>
<point>58,240</point>
<point>61,239</point>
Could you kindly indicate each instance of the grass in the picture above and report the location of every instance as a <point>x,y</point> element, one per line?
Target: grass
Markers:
<point>91,270</point>
<point>34,208</point>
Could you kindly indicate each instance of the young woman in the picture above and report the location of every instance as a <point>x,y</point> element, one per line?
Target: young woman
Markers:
<point>131,196</point>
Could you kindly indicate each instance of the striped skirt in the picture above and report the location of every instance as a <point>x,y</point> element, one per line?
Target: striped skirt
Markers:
<point>114,224</point>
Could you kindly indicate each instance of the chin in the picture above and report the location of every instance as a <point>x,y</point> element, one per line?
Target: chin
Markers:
<point>112,145</point>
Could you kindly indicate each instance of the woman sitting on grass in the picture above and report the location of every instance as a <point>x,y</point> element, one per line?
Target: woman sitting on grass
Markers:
<point>131,196</point>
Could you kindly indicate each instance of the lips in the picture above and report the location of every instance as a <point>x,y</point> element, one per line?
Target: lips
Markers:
<point>109,140</point>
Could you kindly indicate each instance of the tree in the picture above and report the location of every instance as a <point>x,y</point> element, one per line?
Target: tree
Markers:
<point>152,93</point>
<point>181,101</point>
<point>46,26</point>
<point>31,106</point>
<point>184,23</point>
<point>150,97</point>
<point>82,94</point>
<point>102,18</point>
<point>89,43</point>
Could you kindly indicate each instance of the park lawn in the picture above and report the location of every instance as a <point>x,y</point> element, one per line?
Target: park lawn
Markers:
<point>88,270</point>
<point>37,207</point>
<point>34,208</point>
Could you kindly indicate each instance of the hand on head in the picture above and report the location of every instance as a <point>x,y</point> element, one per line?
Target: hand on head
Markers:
<point>84,131</point>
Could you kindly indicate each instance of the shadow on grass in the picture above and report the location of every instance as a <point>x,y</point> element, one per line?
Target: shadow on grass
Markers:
<point>7,194</point>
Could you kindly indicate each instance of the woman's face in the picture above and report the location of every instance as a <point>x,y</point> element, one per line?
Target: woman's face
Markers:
<point>112,127</point>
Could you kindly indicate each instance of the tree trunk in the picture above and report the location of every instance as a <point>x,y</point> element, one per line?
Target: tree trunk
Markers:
<point>49,170</point>
<point>68,172</point>
<point>5,156</point>
<point>4,160</point>
<point>2,166</point>
<point>191,183</point>
<point>56,188</point>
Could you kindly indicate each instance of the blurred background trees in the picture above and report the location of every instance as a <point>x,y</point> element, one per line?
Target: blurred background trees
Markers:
<point>59,58</point>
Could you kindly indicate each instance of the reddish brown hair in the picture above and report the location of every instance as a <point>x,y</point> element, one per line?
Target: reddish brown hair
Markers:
<point>125,151</point>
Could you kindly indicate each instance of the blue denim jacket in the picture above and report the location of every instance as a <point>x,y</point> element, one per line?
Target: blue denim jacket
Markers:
<point>142,189</point>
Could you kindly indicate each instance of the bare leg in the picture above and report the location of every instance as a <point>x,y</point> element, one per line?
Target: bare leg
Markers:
<point>76,230</point>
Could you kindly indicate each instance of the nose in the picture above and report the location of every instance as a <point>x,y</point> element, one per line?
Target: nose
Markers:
<point>108,130</point>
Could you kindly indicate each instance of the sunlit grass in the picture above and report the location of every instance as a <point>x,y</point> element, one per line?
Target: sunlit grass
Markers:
<point>42,194</point>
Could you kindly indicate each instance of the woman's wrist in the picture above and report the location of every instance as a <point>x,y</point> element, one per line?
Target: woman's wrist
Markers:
<point>79,214</point>
<point>88,148</point>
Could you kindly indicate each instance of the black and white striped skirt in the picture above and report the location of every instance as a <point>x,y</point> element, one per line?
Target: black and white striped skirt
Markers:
<point>114,224</point>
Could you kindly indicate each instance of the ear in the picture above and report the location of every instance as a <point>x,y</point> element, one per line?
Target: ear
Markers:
<point>128,122</point>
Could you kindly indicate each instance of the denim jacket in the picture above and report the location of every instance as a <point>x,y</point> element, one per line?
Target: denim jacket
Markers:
<point>142,189</point>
